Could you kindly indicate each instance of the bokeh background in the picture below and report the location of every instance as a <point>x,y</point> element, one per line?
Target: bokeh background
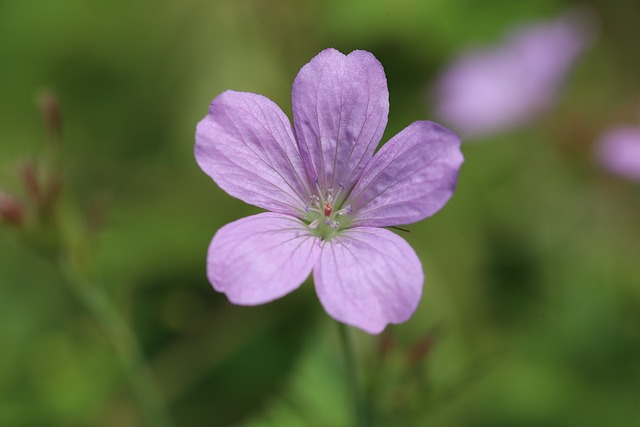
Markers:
<point>531,309</point>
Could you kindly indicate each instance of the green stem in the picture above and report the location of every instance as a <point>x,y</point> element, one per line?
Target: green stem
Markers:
<point>127,347</point>
<point>352,374</point>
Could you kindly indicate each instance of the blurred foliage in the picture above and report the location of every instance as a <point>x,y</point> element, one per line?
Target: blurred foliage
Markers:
<point>531,312</point>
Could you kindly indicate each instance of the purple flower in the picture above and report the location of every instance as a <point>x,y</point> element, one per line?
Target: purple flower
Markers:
<point>327,193</point>
<point>619,151</point>
<point>487,91</point>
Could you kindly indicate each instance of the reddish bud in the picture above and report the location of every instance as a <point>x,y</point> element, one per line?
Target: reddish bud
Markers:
<point>386,342</point>
<point>421,349</point>
<point>50,110</point>
<point>11,209</point>
<point>43,191</point>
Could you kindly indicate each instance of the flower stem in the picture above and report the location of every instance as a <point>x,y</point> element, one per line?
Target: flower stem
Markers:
<point>352,374</point>
<point>123,339</point>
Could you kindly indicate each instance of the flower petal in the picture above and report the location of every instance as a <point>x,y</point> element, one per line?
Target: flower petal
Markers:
<point>410,178</point>
<point>340,109</point>
<point>491,90</point>
<point>619,151</point>
<point>369,277</point>
<point>260,258</point>
<point>246,145</point>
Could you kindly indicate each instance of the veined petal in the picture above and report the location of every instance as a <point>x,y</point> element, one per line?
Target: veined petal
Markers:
<point>410,178</point>
<point>340,109</point>
<point>246,145</point>
<point>369,277</point>
<point>260,258</point>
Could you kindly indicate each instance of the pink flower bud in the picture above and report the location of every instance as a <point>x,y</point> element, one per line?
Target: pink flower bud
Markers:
<point>11,209</point>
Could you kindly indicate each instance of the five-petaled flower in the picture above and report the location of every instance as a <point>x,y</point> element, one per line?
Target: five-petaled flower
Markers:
<point>328,194</point>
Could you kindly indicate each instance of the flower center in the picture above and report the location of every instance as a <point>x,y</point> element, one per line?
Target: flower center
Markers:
<point>326,214</point>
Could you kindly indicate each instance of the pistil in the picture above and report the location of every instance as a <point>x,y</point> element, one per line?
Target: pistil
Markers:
<point>325,215</point>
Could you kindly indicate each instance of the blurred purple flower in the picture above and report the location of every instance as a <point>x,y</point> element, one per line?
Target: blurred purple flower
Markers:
<point>619,151</point>
<point>487,91</point>
<point>327,193</point>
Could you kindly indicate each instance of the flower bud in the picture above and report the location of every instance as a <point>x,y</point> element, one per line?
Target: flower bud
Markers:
<point>423,347</point>
<point>386,343</point>
<point>50,110</point>
<point>42,191</point>
<point>11,210</point>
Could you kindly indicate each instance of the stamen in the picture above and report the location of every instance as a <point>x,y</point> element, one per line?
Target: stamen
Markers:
<point>346,210</point>
<point>330,195</point>
<point>321,207</point>
<point>339,192</point>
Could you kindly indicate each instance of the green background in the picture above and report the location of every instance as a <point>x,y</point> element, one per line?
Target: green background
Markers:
<point>531,308</point>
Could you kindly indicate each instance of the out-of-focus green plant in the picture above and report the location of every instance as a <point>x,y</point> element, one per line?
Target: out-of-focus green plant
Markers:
<point>532,295</point>
<point>50,225</point>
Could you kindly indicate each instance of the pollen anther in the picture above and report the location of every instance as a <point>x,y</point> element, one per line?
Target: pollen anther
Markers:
<point>330,195</point>
<point>346,210</point>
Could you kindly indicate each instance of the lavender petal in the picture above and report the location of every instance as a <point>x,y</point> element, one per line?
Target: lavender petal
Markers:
<point>340,109</point>
<point>246,145</point>
<point>619,151</point>
<point>260,258</point>
<point>410,178</point>
<point>368,278</point>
